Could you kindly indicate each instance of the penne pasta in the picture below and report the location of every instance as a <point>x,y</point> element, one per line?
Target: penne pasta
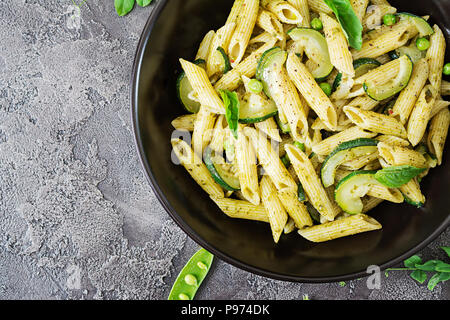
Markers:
<point>382,192</point>
<point>398,36</point>
<point>375,122</point>
<point>436,57</point>
<point>445,88</point>
<point>340,228</point>
<point>285,12</point>
<point>270,160</point>
<point>184,122</point>
<point>399,156</point>
<point>199,80</point>
<point>203,127</point>
<point>241,209</point>
<point>269,22</point>
<point>275,211</point>
<point>221,39</point>
<point>248,175</point>
<point>308,88</point>
<point>311,182</point>
<point>329,144</point>
<point>319,6</point>
<point>420,115</point>
<point>194,165</point>
<point>438,106</point>
<point>303,8</point>
<point>412,193</point>
<point>232,79</point>
<point>340,55</point>
<point>359,7</point>
<point>289,103</point>
<point>438,133</point>
<point>373,17</point>
<point>364,103</point>
<point>244,27</point>
<point>203,50</point>
<point>295,209</point>
<point>269,128</point>
<point>393,140</point>
<point>408,97</point>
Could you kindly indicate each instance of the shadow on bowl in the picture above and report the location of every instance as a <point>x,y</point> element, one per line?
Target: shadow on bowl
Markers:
<point>175,29</point>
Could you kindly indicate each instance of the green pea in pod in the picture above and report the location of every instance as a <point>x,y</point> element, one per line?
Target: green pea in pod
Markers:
<point>191,276</point>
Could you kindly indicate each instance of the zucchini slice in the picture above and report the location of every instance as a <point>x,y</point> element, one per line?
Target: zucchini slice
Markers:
<point>411,51</point>
<point>337,81</point>
<point>345,152</point>
<point>352,188</point>
<point>284,127</point>
<point>270,62</point>
<point>361,66</point>
<point>226,66</point>
<point>417,204</point>
<point>316,49</point>
<point>420,23</point>
<point>225,174</point>
<point>315,215</point>
<point>394,85</point>
<point>263,60</point>
<point>364,65</point>
<point>184,89</point>
<point>301,193</point>
<point>254,108</point>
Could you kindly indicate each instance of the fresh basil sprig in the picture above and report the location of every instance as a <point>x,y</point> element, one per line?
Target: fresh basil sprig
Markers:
<point>231,102</point>
<point>349,21</point>
<point>419,269</point>
<point>123,7</point>
<point>396,176</point>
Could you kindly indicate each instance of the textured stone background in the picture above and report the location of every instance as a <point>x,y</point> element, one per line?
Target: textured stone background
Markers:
<point>78,218</point>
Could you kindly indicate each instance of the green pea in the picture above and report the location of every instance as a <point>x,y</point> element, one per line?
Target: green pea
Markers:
<point>316,24</point>
<point>326,87</point>
<point>300,145</point>
<point>190,279</point>
<point>255,86</point>
<point>389,19</point>
<point>183,296</point>
<point>191,276</point>
<point>446,70</point>
<point>422,44</point>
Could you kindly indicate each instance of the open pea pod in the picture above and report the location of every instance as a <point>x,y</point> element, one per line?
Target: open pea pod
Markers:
<point>191,276</point>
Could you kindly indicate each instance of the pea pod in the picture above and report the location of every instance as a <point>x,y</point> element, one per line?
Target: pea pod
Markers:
<point>191,276</point>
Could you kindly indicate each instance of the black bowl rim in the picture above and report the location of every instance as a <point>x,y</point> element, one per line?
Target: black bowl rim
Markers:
<point>139,54</point>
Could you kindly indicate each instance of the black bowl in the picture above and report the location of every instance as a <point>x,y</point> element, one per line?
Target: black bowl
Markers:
<point>175,29</point>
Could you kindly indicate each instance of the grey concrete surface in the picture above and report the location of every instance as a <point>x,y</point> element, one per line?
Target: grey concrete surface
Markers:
<point>78,219</point>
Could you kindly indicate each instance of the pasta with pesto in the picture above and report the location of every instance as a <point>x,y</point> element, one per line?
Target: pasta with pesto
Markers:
<point>305,116</point>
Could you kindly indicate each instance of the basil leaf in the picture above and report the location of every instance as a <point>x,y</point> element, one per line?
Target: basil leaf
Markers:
<point>396,176</point>
<point>435,279</point>
<point>143,3</point>
<point>447,250</point>
<point>442,267</point>
<point>419,275</point>
<point>428,266</point>
<point>123,7</point>
<point>231,102</point>
<point>444,276</point>
<point>350,23</point>
<point>411,262</point>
